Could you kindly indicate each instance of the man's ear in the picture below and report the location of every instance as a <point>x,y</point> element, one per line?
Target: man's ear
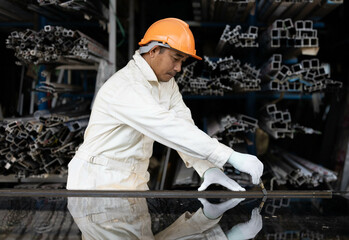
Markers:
<point>154,51</point>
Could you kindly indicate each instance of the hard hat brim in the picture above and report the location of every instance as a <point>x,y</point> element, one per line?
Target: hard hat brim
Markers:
<point>197,57</point>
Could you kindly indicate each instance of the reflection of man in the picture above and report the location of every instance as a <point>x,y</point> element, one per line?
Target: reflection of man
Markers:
<point>128,218</point>
<point>141,104</point>
<point>111,218</point>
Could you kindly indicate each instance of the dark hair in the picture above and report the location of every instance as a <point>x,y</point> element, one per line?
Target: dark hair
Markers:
<point>162,49</point>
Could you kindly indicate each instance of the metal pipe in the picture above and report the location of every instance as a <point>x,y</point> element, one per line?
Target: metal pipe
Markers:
<point>162,194</point>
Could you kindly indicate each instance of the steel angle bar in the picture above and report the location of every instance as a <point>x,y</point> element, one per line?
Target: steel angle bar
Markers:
<point>162,194</point>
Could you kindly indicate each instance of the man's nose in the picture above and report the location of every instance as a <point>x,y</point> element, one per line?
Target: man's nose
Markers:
<point>178,67</point>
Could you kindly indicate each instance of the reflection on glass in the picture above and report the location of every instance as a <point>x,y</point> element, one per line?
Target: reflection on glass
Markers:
<point>129,218</point>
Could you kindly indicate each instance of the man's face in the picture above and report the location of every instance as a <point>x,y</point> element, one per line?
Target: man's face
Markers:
<point>166,63</point>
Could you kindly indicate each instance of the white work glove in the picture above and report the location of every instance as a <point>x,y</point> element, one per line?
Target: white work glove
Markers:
<point>217,176</point>
<point>214,211</point>
<point>248,229</point>
<point>247,163</point>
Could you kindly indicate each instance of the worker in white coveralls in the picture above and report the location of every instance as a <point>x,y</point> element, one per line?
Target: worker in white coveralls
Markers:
<point>129,218</point>
<point>140,104</point>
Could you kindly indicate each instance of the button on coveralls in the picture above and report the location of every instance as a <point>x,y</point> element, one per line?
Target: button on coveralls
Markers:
<point>131,111</point>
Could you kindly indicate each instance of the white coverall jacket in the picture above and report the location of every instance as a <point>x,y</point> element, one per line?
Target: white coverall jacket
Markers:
<point>129,218</point>
<point>131,110</point>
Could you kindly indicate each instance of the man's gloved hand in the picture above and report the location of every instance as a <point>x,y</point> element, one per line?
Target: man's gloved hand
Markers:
<point>247,163</point>
<point>213,211</point>
<point>217,176</point>
<point>248,229</point>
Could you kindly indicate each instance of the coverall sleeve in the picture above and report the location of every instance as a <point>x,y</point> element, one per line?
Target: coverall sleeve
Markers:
<point>182,111</point>
<point>189,225</point>
<point>134,105</point>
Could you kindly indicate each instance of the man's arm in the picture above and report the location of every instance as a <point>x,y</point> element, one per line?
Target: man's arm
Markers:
<point>244,162</point>
<point>182,111</point>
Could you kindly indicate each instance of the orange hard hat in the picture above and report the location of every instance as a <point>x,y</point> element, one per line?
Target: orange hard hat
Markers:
<point>174,32</point>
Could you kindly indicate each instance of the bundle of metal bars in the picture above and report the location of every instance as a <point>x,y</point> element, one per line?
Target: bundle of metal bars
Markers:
<point>55,44</point>
<point>307,76</point>
<point>278,123</point>
<point>57,87</point>
<point>289,168</point>
<point>269,10</point>
<point>38,145</point>
<point>300,34</point>
<point>92,8</point>
<point>237,39</point>
<point>233,129</point>
<point>224,76</point>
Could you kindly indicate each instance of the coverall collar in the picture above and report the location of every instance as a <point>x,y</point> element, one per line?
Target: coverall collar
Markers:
<point>147,71</point>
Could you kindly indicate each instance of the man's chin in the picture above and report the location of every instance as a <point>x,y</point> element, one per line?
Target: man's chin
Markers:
<point>166,79</point>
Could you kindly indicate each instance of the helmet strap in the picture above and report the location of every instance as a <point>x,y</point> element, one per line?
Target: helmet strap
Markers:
<point>151,45</point>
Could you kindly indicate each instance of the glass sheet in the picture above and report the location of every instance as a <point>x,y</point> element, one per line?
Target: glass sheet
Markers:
<point>173,218</point>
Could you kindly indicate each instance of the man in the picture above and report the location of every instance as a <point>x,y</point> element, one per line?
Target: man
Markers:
<point>141,104</point>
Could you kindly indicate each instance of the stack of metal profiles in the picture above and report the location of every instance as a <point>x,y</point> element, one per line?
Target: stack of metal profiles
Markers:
<point>288,168</point>
<point>233,129</point>
<point>278,123</point>
<point>299,34</point>
<point>97,9</point>
<point>238,39</point>
<point>43,144</point>
<point>55,44</point>
<point>307,76</point>
<point>226,75</point>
